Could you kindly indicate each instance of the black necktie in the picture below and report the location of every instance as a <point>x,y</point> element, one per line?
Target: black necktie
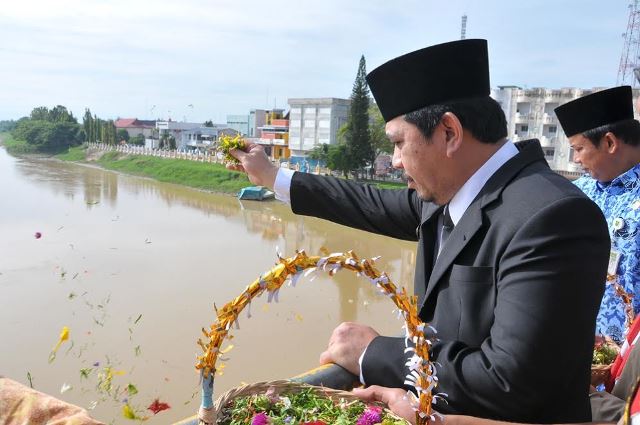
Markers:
<point>447,227</point>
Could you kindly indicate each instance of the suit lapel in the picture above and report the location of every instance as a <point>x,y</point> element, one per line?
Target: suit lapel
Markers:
<point>471,221</point>
<point>468,225</point>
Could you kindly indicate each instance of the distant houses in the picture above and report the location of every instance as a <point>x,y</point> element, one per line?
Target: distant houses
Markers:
<point>135,127</point>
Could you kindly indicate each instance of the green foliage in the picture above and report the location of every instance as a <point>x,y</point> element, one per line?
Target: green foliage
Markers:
<point>356,133</point>
<point>76,153</point>
<point>208,123</point>
<point>295,408</point>
<point>386,185</point>
<point>167,141</point>
<point>379,140</point>
<point>201,175</point>
<point>17,147</point>
<point>107,132</point>
<point>338,159</point>
<point>320,153</point>
<point>57,114</point>
<point>137,140</point>
<point>604,354</point>
<point>122,134</point>
<point>7,125</point>
<point>47,136</point>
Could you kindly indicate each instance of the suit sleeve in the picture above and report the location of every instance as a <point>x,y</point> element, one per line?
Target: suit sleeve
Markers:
<point>549,280</point>
<point>391,212</point>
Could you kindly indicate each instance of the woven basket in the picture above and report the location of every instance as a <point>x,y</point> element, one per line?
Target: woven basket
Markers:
<point>282,387</point>
<point>271,281</point>
<point>600,374</point>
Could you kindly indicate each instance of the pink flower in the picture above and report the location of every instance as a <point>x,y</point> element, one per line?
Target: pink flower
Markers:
<point>372,415</point>
<point>260,419</point>
<point>315,423</point>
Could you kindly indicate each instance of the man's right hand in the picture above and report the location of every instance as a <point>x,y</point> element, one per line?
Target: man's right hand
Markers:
<point>254,162</point>
<point>347,343</point>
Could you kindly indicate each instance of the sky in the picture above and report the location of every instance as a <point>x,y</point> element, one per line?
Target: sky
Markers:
<point>197,60</point>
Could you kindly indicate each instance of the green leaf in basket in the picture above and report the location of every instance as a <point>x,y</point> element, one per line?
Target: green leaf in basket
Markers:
<point>295,408</point>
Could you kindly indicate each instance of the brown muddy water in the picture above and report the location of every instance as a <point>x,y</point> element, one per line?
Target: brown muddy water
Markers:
<point>133,268</point>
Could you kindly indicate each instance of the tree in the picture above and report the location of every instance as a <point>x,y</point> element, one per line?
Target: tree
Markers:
<point>380,143</point>
<point>208,123</point>
<point>60,113</point>
<point>359,150</point>
<point>88,124</point>
<point>41,113</point>
<point>46,135</point>
<point>122,134</point>
<point>137,140</point>
<point>320,153</point>
<point>7,125</point>
<point>338,159</point>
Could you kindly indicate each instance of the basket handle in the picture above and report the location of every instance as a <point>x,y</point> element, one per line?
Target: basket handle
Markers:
<point>422,371</point>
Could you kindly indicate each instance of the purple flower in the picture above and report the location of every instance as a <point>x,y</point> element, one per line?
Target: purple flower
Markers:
<point>372,415</point>
<point>260,419</point>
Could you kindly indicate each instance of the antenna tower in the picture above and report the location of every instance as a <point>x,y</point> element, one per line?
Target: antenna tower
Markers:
<point>463,27</point>
<point>629,70</point>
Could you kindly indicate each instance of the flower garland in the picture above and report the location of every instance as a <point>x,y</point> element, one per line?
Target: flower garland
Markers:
<point>422,373</point>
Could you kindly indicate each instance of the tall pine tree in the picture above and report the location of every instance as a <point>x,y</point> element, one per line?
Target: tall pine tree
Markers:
<point>357,135</point>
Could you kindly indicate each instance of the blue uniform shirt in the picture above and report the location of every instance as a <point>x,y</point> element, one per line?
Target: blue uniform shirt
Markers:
<point>619,200</point>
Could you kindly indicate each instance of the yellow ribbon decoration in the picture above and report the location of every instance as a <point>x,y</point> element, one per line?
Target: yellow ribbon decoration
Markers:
<point>422,375</point>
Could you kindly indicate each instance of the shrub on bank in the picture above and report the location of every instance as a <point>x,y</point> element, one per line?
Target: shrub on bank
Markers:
<point>17,147</point>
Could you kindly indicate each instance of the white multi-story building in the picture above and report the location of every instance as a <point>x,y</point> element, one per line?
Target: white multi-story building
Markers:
<point>530,114</point>
<point>315,121</point>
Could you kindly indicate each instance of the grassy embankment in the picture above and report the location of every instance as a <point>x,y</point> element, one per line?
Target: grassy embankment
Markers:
<point>387,185</point>
<point>75,154</point>
<point>201,175</point>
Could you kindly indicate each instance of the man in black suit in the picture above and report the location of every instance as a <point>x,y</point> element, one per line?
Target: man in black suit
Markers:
<point>511,256</point>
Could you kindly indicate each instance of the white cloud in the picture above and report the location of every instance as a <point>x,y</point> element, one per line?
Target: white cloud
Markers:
<point>120,57</point>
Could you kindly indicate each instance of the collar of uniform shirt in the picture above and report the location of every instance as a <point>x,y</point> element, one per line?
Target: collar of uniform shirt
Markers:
<point>627,179</point>
<point>467,193</point>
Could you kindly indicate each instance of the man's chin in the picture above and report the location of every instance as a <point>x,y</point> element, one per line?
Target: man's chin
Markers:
<point>426,197</point>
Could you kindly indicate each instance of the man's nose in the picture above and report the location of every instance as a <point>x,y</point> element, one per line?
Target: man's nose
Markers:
<point>396,161</point>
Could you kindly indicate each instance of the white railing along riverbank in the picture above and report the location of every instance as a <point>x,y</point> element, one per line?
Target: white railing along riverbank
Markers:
<point>162,153</point>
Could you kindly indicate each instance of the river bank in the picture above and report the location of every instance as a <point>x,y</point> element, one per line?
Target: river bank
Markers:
<point>204,176</point>
<point>209,177</point>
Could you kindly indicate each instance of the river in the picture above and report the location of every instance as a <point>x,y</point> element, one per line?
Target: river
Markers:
<point>133,267</point>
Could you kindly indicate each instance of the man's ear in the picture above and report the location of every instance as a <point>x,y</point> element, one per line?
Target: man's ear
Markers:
<point>611,142</point>
<point>452,133</point>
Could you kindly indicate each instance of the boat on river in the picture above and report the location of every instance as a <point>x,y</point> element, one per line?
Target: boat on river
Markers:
<point>255,193</point>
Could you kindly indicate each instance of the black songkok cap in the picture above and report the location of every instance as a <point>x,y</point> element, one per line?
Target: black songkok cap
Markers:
<point>595,110</point>
<point>430,76</point>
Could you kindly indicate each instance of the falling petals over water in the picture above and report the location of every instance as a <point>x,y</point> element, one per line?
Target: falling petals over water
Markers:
<point>158,406</point>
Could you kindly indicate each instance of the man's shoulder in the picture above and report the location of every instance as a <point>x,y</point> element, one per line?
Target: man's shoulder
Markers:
<point>541,185</point>
<point>585,183</point>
